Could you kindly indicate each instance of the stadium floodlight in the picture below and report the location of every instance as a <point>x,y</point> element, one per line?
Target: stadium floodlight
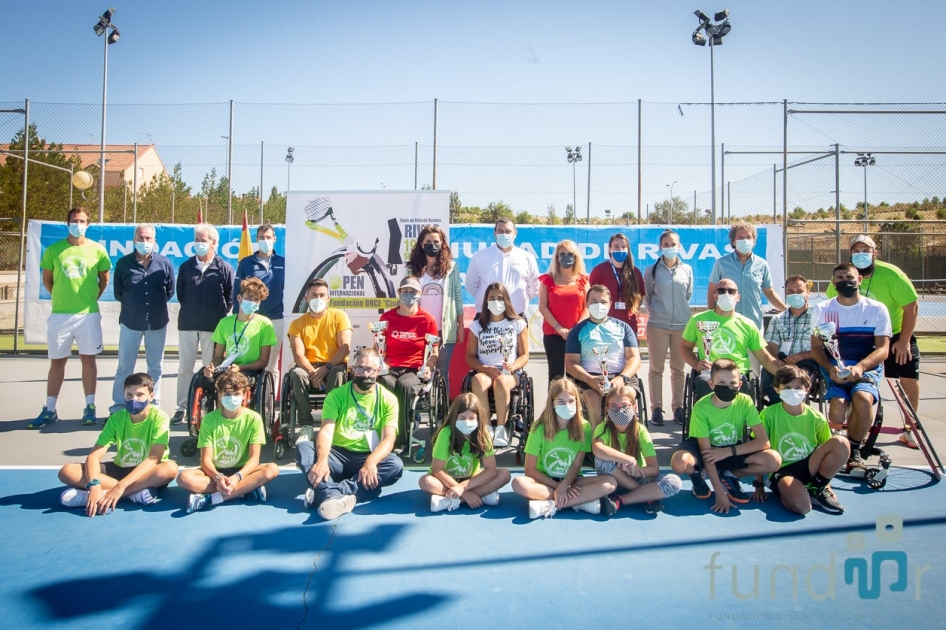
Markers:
<point>864,160</point>
<point>103,26</point>
<point>574,156</point>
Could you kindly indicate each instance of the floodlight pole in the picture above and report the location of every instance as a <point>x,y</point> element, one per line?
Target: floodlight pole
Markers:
<point>102,156</point>
<point>19,265</point>
<point>712,129</point>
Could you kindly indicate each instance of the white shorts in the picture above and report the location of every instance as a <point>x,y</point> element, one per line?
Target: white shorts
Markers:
<point>63,328</point>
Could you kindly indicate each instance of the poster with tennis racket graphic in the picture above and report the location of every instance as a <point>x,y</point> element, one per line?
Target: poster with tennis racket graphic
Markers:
<point>359,243</point>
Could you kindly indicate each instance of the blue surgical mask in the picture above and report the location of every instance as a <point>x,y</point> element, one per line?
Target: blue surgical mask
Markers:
<point>619,256</point>
<point>466,427</point>
<point>505,240</point>
<point>143,248</point>
<point>134,407</point>
<point>409,299</point>
<point>862,260</point>
<point>77,230</point>
<point>201,249</point>
<point>744,245</point>
<point>795,300</point>
<point>670,252</point>
<point>566,412</point>
<point>266,246</point>
<point>231,402</point>
<point>248,306</point>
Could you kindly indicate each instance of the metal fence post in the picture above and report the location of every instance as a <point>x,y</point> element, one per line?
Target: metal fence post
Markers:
<point>19,264</point>
<point>434,185</point>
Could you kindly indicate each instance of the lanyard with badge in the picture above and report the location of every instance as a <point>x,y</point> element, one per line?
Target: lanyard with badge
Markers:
<point>618,306</point>
<point>237,340</point>
<point>370,435</point>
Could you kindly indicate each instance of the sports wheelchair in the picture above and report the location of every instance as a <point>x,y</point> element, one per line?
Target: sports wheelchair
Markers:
<point>430,397</point>
<point>201,401</point>
<point>285,430</point>
<point>521,410</point>
<point>750,386</point>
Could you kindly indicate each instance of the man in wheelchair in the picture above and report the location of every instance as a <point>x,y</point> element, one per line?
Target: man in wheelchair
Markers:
<point>601,342</point>
<point>320,341</point>
<point>727,335</point>
<point>242,342</point>
<point>789,336</point>
<point>406,339</point>
<point>860,334</point>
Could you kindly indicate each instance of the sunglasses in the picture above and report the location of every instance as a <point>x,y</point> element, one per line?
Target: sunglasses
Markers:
<point>723,291</point>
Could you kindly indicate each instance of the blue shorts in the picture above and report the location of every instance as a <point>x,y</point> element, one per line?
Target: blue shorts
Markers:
<point>869,383</point>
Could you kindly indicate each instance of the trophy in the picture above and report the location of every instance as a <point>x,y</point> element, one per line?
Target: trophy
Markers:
<point>506,344</point>
<point>432,341</point>
<point>380,342</point>
<point>601,354</point>
<point>707,328</point>
<point>826,332</point>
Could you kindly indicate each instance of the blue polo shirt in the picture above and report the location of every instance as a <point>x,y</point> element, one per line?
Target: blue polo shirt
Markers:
<point>751,278</point>
<point>611,335</point>
<point>272,271</point>
<point>144,292</point>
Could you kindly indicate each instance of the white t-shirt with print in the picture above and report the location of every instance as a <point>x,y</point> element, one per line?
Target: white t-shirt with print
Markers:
<point>489,347</point>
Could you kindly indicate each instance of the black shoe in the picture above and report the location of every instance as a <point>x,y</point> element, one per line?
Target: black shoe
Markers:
<point>608,506</point>
<point>657,417</point>
<point>700,489</point>
<point>679,417</point>
<point>652,507</point>
<point>178,417</point>
<point>825,499</point>
<point>734,488</point>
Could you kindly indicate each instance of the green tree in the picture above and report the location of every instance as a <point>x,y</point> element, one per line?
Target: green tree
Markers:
<point>551,215</point>
<point>569,215</point>
<point>455,206</point>
<point>661,212</point>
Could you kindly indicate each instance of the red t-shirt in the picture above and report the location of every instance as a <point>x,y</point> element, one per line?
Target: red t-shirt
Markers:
<point>406,337</point>
<point>604,274</point>
<point>566,301</point>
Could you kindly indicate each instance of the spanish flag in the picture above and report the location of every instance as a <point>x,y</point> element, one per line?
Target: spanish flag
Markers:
<point>246,248</point>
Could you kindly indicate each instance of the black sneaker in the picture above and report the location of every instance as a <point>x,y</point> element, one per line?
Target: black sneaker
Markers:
<point>700,489</point>
<point>825,499</point>
<point>657,417</point>
<point>608,506</point>
<point>679,416</point>
<point>652,507</point>
<point>178,417</point>
<point>733,488</point>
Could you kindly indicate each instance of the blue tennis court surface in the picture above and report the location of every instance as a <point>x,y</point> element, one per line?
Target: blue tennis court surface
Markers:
<point>392,563</point>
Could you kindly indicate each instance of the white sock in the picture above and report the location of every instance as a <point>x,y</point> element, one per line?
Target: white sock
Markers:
<point>216,498</point>
<point>51,403</point>
<point>90,399</point>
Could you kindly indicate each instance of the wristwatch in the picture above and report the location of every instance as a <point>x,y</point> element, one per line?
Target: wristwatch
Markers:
<point>328,367</point>
<point>627,379</point>
<point>92,482</point>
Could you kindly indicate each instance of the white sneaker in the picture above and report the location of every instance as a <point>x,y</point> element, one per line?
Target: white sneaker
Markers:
<point>309,499</point>
<point>492,498</point>
<point>305,434</point>
<point>143,497</point>
<point>492,433</point>
<point>592,507</point>
<point>546,509</point>
<point>333,508</point>
<point>73,497</point>
<point>907,438</point>
<point>499,437</point>
<point>439,503</point>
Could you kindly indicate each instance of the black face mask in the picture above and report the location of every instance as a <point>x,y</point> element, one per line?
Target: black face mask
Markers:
<point>846,288</point>
<point>364,383</point>
<point>725,393</point>
<point>431,249</point>
<point>566,260</point>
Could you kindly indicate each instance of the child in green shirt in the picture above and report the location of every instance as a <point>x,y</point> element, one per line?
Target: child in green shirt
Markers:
<point>464,464</point>
<point>623,449</point>
<point>140,466</point>
<point>811,457</point>
<point>230,440</point>
<point>556,446</point>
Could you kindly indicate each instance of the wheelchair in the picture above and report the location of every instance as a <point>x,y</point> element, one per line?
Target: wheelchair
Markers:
<point>643,409</point>
<point>284,431</point>
<point>200,402</point>
<point>816,393</point>
<point>874,474</point>
<point>751,386</point>
<point>430,398</point>
<point>521,411</point>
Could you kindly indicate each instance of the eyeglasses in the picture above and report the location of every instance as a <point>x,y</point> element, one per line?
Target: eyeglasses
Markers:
<point>361,370</point>
<point>724,290</point>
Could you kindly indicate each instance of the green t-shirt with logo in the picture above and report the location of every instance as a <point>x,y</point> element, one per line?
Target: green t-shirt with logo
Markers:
<point>723,427</point>
<point>133,440</point>
<point>460,465</point>
<point>890,286</point>
<point>795,437</point>
<point>76,271</point>
<point>555,456</point>
<point>357,414</point>
<point>643,439</point>
<point>246,339</point>
<point>231,439</point>
<point>733,338</point>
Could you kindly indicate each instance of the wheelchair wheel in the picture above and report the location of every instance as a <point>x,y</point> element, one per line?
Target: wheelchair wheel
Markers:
<point>279,448</point>
<point>642,407</point>
<point>189,447</point>
<point>439,404</point>
<point>265,400</point>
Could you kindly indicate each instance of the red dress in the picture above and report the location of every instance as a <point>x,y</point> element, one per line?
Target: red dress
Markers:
<point>605,274</point>
<point>565,301</point>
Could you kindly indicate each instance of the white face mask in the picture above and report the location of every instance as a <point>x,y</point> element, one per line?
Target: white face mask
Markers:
<point>466,427</point>
<point>793,396</point>
<point>231,402</point>
<point>496,307</point>
<point>317,305</point>
<point>744,245</point>
<point>598,311</point>
<point>565,412</point>
<point>726,302</point>
<point>795,300</point>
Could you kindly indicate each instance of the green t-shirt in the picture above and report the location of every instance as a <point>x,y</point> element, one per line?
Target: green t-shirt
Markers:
<point>231,439</point>
<point>76,271</point>
<point>795,437</point>
<point>460,465</point>
<point>246,339</point>
<point>356,415</point>
<point>134,440</point>
<point>734,338</point>
<point>723,427</point>
<point>555,457</point>
<point>643,439</point>
<point>889,286</point>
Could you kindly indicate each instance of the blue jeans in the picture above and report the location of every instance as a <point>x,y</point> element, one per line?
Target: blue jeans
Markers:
<point>343,466</point>
<point>129,341</point>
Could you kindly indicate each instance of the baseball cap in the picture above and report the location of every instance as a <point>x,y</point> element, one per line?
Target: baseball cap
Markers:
<point>863,238</point>
<point>410,283</point>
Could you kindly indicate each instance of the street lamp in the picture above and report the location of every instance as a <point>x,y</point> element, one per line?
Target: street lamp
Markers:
<point>289,161</point>
<point>607,216</point>
<point>103,26</point>
<point>715,32</point>
<point>865,160</point>
<point>670,212</point>
<point>229,181</point>
<point>574,156</point>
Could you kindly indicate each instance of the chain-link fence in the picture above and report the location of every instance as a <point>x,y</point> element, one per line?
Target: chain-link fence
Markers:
<point>647,161</point>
